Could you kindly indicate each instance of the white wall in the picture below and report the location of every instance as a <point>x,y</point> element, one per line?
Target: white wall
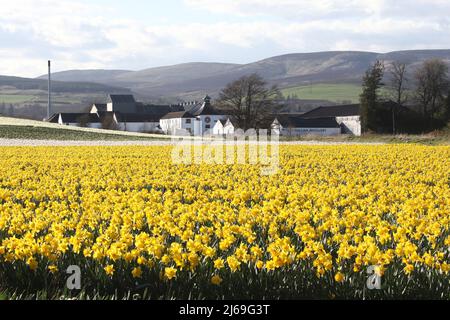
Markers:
<point>276,127</point>
<point>229,128</point>
<point>350,124</point>
<point>171,126</point>
<point>197,126</point>
<point>312,131</point>
<point>211,124</point>
<point>197,129</point>
<point>93,109</point>
<point>218,128</point>
<point>96,125</point>
<point>139,126</point>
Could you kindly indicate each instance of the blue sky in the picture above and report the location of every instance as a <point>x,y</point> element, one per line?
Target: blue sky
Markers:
<point>138,34</point>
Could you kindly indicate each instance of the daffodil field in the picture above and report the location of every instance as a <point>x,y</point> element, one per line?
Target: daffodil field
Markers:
<point>135,223</point>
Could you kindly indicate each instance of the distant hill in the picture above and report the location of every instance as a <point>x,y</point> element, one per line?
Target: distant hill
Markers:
<point>291,70</point>
<point>98,76</point>
<point>58,86</point>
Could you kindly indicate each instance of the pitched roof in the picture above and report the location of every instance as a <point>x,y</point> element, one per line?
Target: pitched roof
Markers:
<point>100,106</point>
<point>333,111</point>
<point>78,117</point>
<point>179,114</point>
<point>122,98</point>
<point>232,121</point>
<point>299,122</point>
<point>157,109</point>
<point>138,117</point>
<point>208,110</point>
<point>205,108</point>
<point>193,109</point>
<point>54,118</point>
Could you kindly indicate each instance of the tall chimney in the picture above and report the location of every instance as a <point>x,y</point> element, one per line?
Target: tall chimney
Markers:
<point>49,106</point>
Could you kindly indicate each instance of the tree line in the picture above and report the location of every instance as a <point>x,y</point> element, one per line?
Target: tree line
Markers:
<point>425,90</point>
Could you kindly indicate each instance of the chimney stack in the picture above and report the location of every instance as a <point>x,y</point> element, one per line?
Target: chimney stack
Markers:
<point>49,106</point>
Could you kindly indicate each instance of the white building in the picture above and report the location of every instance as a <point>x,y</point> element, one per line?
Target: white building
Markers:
<point>198,120</point>
<point>110,120</point>
<point>218,127</point>
<point>77,119</point>
<point>135,122</point>
<point>174,123</point>
<point>295,125</point>
<point>347,116</point>
<point>121,112</point>
<point>224,127</point>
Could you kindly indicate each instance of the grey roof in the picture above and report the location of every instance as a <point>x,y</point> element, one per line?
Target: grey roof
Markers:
<point>78,117</point>
<point>138,117</point>
<point>333,111</point>
<point>122,98</point>
<point>100,106</point>
<point>299,122</point>
<point>193,108</point>
<point>157,109</point>
<point>205,108</point>
<point>54,118</point>
<point>179,114</point>
<point>208,110</point>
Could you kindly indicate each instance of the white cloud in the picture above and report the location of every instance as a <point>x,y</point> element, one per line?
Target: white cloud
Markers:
<point>296,9</point>
<point>79,35</point>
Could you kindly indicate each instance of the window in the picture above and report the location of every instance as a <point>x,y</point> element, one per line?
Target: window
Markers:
<point>207,126</point>
<point>188,120</point>
<point>207,119</point>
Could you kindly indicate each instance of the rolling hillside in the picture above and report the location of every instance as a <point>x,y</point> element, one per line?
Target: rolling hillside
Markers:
<point>58,86</point>
<point>95,76</point>
<point>191,80</point>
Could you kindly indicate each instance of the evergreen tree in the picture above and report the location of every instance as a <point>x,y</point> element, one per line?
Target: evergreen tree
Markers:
<point>369,98</point>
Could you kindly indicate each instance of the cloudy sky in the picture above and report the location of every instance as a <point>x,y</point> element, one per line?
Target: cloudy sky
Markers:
<point>138,34</point>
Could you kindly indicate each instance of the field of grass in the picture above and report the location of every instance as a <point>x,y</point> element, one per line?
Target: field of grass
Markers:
<point>35,101</point>
<point>16,98</point>
<point>339,93</point>
<point>331,92</point>
<point>44,133</point>
<point>17,128</point>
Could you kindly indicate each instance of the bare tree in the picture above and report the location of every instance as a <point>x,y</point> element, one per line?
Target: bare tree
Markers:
<point>432,85</point>
<point>109,123</point>
<point>398,86</point>
<point>83,120</point>
<point>249,100</point>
